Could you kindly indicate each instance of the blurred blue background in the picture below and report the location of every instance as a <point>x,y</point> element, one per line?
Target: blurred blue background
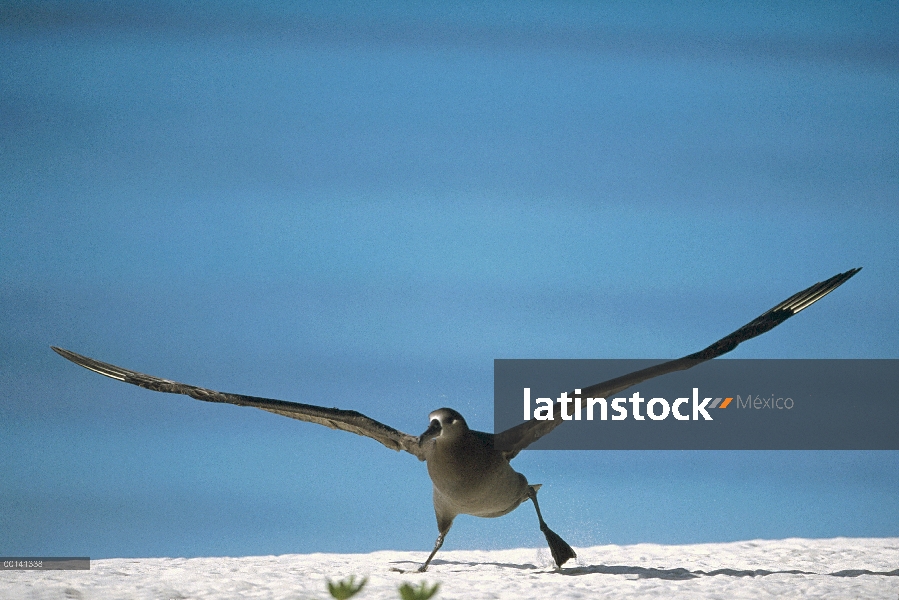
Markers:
<point>363,204</point>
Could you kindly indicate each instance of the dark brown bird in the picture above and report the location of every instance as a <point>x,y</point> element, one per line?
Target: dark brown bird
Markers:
<point>470,469</point>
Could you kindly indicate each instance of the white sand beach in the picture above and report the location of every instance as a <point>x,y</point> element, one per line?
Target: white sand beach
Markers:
<point>791,568</point>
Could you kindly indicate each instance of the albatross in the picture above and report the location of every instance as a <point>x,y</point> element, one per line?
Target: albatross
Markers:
<point>470,470</point>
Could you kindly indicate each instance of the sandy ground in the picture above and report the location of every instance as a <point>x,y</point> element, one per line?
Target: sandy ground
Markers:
<point>791,568</point>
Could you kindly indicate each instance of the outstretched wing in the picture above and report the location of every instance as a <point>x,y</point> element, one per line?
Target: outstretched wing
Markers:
<point>513,440</point>
<point>335,418</point>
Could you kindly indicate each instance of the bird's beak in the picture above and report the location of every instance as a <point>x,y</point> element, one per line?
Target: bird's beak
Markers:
<point>431,432</point>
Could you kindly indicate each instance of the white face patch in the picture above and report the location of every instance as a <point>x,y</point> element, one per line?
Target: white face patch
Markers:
<point>447,418</point>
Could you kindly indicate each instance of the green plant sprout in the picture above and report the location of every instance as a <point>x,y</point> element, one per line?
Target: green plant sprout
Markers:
<point>346,588</point>
<point>409,592</point>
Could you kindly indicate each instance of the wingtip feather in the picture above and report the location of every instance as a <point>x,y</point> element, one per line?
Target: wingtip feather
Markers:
<point>819,290</point>
<point>90,364</point>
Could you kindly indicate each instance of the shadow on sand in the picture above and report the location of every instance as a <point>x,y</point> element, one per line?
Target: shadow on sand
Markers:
<point>654,573</point>
<point>680,573</point>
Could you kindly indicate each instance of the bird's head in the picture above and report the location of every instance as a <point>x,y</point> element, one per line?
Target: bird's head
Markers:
<point>445,424</point>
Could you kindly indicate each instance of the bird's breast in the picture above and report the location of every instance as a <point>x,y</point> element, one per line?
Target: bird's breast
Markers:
<point>475,480</point>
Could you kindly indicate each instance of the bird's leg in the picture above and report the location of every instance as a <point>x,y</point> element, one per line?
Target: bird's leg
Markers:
<point>560,549</point>
<point>437,545</point>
